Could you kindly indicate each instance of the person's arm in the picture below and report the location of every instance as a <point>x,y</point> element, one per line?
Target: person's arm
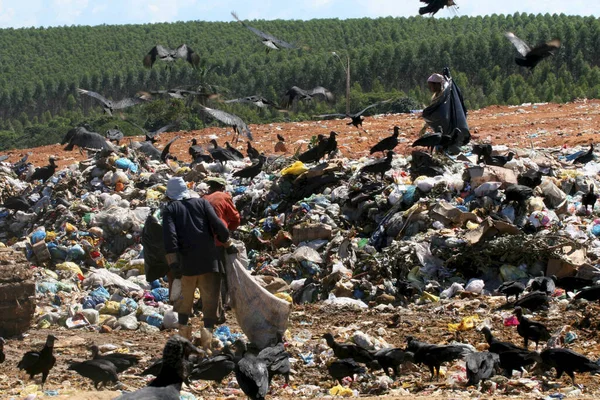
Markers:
<point>218,226</point>
<point>233,216</point>
<point>171,243</point>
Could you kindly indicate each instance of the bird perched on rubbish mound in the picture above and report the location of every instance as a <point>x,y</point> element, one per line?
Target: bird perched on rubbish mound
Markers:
<point>99,371</point>
<point>347,350</point>
<point>388,143</point>
<point>121,361</point>
<point>530,330</point>
<point>39,362</point>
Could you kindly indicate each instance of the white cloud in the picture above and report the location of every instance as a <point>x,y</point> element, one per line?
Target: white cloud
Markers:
<point>69,11</point>
<point>99,8</point>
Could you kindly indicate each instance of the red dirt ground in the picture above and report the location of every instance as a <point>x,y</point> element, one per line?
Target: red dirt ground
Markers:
<point>542,125</point>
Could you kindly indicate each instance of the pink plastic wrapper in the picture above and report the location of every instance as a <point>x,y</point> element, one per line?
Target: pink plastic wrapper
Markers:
<point>511,321</point>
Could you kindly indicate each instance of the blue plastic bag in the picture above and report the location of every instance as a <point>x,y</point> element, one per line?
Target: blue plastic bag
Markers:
<point>160,294</point>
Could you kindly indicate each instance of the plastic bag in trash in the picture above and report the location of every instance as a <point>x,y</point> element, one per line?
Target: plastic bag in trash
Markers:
<point>160,294</point>
<point>475,286</point>
<point>38,236</point>
<point>466,324</point>
<point>261,315</point>
<point>305,253</point>
<point>170,320</point>
<point>110,307</point>
<point>127,307</point>
<point>128,322</point>
<point>175,291</point>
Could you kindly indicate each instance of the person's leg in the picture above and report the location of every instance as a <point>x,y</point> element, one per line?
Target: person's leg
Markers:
<point>210,291</point>
<point>184,307</point>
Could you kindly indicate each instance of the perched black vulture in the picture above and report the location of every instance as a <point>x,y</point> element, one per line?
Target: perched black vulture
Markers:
<point>110,105</point>
<point>195,149</point>
<point>586,157</point>
<point>352,351</point>
<point>170,392</point>
<point>280,138</point>
<point>39,362</point>
<point>277,360</point>
<point>518,193</point>
<point>331,144</point>
<point>268,40</point>
<point>430,141</point>
<point>482,151</point>
<point>546,284</point>
<point>44,173</point>
<point>16,203</point>
<point>239,126</point>
<point>390,359</point>
<point>122,362</point>
<point>169,55</point>
<point>590,198</point>
<point>251,171</point>
<point>517,359</point>
<point>530,178</point>
<point>174,365</point>
<point>295,93</point>
<point>340,369</point>
<point>590,294</point>
<point>497,346</point>
<point>252,153</point>
<point>388,143</point>
<point>99,371</point>
<point>220,154</point>
<point>166,152</point>
<point>214,368</point>
<point>236,153</point>
<point>114,135</point>
<point>433,6</point>
<point>530,329</point>
<point>356,119</point>
<point>511,288</point>
<point>83,138</point>
<point>433,355</point>
<point>532,57</point>
<point>380,166</point>
<point>565,360</point>
<point>251,373</point>
<point>315,153</point>
<point>481,366</point>
<point>533,301</point>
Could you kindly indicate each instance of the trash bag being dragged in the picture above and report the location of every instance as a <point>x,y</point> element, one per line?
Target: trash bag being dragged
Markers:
<point>450,114</point>
<point>260,314</point>
<point>155,262</point>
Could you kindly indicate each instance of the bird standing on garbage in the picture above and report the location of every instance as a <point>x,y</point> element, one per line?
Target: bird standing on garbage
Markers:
<point>546,284</point>
<point>390,359</point>
<point>114,135</point>
<point>175,367</point>
<point>587,157</point>
<point>44,173</point>
<point>388,143</point>
<point>433,356</point>
<point>481,366</point>
<point>214,368</point>
<point>348,350</point>
<point>39,362</point>
<point>236,153</point>
<point>16,203</point>
<point>99,371</point>
<point>530,329</point>
<point>533,301</point>
<point>340,369</point>
<point>219,153</point>
<point>589,199</point>
<point>380,166</point>
<point>251,373</point>
<point>511,288</point>
<point>496,346</point>
<point>121,361</point>
<point>251,171</point>
<point>566,360</point>
<point>517,359</point>
<point>277,360</point>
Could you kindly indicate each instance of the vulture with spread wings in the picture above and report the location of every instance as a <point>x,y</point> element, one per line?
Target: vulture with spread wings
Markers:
<point>433,6</point>
<point>295,93</point>
<point>169,55</point>
<point>110,105</point>
<point>151,135</point>
<point>268,40</point>
<point>85,139</point>
<point>256,100</point>
<point>357,118</point>
<point>239,126</point>
<point>532,57</point>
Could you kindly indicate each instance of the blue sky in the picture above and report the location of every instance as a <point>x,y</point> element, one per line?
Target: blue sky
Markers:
<point>26,13</point>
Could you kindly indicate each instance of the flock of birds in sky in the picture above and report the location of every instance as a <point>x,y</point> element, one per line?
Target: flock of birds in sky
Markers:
<point>255,369</point>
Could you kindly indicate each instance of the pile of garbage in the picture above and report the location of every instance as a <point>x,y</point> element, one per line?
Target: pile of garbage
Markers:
<point>318,232</point>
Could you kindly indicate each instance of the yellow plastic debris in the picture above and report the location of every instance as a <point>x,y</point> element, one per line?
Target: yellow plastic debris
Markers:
<point>429,297</point>
<point>295,169</point>
<point>284,296</point>
<point>472,225</point>
<point>50,236</point>
<point>31,389</point>
<point>340,390</point>
<point>69,266</point>
<point>466,324</point>
<point>111,308</point>
<point>70,228</point>
<point>2,245</point>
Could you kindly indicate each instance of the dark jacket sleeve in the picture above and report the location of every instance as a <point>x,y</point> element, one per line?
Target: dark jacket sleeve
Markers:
<point>169,232</point>
<point>217,225</point>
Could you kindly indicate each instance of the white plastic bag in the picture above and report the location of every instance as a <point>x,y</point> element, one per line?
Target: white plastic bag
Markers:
<point>175,291</point>
<point>260,314</point>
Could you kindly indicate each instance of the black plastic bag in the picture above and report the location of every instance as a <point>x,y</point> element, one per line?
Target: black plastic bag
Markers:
<point>155,262</point>
<point>448,114</point>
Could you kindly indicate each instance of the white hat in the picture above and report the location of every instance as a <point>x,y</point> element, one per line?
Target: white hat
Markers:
<point>177,189</point>
<point>436,78</point>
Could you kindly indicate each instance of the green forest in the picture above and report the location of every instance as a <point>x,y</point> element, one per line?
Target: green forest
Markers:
<point>41,68</point>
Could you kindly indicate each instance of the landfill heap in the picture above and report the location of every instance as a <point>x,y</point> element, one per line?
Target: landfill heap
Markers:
<point>435,227</point>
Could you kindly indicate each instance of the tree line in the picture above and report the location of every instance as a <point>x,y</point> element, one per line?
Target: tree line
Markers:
<point>389,57</point>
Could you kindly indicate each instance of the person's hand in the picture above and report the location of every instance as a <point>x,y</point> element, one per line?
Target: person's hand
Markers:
<point>175,268</point>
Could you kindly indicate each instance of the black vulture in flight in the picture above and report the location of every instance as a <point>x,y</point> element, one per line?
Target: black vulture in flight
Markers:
<point>295,93</point>
<point>239,126</point>
<point>433,6</point>
<point>532,57</point>
<point>114,135</point>
<point>151,135</point>
<point>268,40</point>
<point>110,105</point>
<point>169,55</point>
<point>357,118</point>
<point>256,100</point>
